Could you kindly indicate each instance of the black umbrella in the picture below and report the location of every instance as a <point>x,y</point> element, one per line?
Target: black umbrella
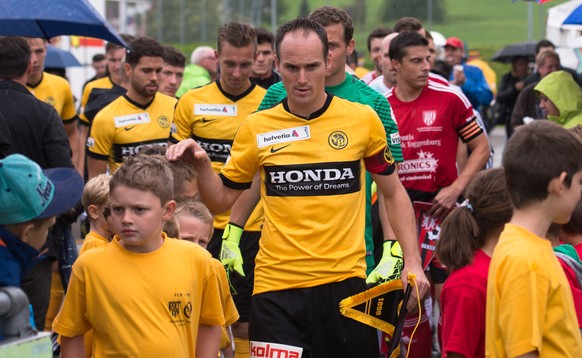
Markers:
<point>525,49</point>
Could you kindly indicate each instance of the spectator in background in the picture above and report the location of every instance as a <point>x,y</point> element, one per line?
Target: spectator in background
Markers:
<point>544,45</point>
<point>263,73</point>
<point>203,69</point>
<point>388,79</point>
<point>474,59</point>
<point>99,64</point>
<point>509,89</point>
<point>409,24</point>
<point>469,78</point>
<point>560,99</point>
<point>527,104</point>
<point>172,71</point>
<point>375,49</point>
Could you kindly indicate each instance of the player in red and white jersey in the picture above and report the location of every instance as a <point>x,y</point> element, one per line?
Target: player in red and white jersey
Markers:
<point>431,118</point>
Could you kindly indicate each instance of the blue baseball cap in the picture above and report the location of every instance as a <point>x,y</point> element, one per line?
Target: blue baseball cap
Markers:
<point>27,192</point>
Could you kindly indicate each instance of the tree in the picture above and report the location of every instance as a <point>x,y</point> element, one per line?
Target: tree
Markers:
<point>395,9</point>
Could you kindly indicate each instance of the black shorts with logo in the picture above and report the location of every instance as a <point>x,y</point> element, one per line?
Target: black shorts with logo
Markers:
<point>241,287</point>
<point>309,318</point>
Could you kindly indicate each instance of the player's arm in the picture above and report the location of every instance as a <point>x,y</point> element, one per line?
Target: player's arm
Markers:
<point>401,217</point>
<point>215,195</point>
<point>73,347</point>
<point>479,154</point>
<point>96,166</point>
<point>230,254</point>
<point>207,341</point>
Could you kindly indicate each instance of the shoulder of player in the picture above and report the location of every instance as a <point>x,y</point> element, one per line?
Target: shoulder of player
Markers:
<point>448,91</point>
<point>113,109</point>
<point>54,80</point>
<point>350,105</point>
<point>165,99</point>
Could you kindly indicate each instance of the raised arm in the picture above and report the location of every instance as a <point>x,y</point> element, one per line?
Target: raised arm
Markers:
<point>217,197</point>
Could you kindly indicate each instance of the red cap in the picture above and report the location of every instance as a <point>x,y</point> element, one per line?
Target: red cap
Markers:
<point>455,42</point>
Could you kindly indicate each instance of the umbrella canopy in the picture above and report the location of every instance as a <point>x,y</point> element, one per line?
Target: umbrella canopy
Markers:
<point>506,54</point>
<point>57,58</point>
<point>575,17</point>
<point>49,18</point>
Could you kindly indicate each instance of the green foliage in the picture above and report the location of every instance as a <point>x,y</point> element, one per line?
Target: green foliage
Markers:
<point>395,9</point>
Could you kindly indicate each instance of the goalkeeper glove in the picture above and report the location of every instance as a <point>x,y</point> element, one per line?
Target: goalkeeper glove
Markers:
<point>230,254</point>
<point>390,266</point>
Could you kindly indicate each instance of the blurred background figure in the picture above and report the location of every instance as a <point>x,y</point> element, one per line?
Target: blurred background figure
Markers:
<point>511,85</point>
<point>203,69</point>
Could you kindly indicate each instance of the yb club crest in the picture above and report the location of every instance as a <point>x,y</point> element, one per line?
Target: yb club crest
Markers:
<point>337,140</point>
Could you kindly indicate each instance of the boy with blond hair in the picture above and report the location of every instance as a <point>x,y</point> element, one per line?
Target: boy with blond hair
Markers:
<point>530,310</point>
<point>196,224</point>
<point>157,310</point>
<point>95,200</point>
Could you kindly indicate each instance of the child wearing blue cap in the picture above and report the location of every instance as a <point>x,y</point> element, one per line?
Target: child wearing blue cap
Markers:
<point>30,198</point>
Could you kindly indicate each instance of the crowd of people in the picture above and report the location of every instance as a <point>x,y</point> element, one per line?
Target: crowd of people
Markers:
<point>234,201</point>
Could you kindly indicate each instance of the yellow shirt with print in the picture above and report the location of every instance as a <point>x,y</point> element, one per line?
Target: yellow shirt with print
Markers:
<point>313,190</point>
<point>142,305</point>
<point>123,127</point>
<point>211,117</point>
<point>529,301</point>
<point>56,91</point>
<point>104,82</point>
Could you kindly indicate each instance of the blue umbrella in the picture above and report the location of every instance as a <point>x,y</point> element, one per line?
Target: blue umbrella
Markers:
<point>57,58</point>
<point>50,18</point>
<point>575,17</point>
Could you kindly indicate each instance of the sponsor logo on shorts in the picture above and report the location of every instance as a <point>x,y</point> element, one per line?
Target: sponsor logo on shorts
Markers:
<point>215,109</point>
<point>337,140</point>
<point>283,136</point>
<point>274,350</point>
<point>131,119</point>
<point>319,179</point>
<point>218,150</point>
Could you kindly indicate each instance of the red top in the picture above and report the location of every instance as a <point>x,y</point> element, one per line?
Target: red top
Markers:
<point>576,291</point>
<point>430,127</point>
<point>463,308</point>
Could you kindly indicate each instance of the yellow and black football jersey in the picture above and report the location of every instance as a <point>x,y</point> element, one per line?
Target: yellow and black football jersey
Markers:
<point>104,82</point>
<point>123,127</point>
<point>56,91</point>
<point>211,117</point>
<point>312,187</point>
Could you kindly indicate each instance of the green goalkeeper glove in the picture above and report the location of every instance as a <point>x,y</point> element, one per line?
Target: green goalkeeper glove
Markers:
<point>390,266</point>
<point>230,254</point>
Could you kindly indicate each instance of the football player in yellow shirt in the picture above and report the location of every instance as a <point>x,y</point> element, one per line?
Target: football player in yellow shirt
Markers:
<point>55,91</point>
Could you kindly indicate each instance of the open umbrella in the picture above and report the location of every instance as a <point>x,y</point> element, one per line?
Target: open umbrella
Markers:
<point>49,18</point>
<point>575,17</point>
<point>57,58</point>
<point>506,54</point>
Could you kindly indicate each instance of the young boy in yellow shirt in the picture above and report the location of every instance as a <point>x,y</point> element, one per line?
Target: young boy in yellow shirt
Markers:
<point>530,310</point>
<point>143,295</point>
<point>196,224</point>
<point>95,200</point>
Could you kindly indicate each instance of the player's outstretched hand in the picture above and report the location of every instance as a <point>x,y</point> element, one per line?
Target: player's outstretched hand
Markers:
<point>390,266</point>
<point>230,254</point>
<point>186,150</point>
